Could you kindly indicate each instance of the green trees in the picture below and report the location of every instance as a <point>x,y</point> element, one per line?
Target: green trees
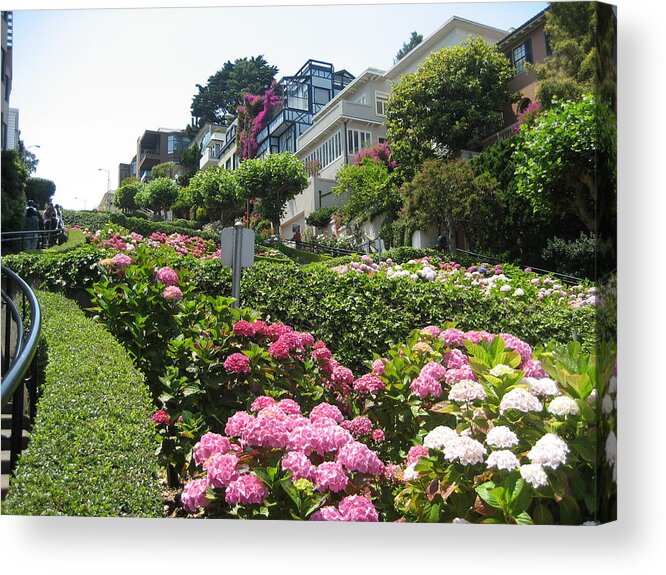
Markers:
<point>216,190</point>
<point>14,181</point>
<point>159,195</point>
<point>446,194</point>
<point>40,191</point>
<point>369,188</point>
<point>566,156</point>
<point>164,170</point>
<point>273,180</point>
<point>125,196</point>
<point>414,40</point>
<point>224,91</point>
<point>450,102</point>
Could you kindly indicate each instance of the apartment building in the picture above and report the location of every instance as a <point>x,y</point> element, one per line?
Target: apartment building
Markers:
<point>6,42</point>
<point>154,147</point>
<point>355,119</point>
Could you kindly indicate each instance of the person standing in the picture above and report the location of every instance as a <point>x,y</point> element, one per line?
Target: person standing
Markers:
<point>60,224</point>
<point>50,224</point>
<point>31,225</point>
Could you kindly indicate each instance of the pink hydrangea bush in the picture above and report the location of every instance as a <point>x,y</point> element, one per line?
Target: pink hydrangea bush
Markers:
<point>277,462</point>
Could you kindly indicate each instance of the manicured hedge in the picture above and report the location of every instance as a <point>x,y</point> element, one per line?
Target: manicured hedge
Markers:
<point>92,448</point>
<point>97,220</point>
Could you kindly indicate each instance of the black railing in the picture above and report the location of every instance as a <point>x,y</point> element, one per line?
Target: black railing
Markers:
<point>22,328</point>
<point>368,247</point>
<point>30,240</point>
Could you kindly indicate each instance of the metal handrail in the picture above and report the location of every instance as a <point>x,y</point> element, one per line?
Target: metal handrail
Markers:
<point>25,351</point>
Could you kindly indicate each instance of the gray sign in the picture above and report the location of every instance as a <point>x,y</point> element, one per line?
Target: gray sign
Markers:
<point>228,244</point>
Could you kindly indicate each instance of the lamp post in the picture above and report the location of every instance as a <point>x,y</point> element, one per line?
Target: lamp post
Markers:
<point>85,205</point>
<point>108,177</point>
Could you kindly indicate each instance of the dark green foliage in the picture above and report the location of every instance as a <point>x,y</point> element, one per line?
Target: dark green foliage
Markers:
<point>40,191</point>
<point>580,257</point>
<point>97,220</point>
<point>92,448</point>
<point>321,217</point>
<point>14,181</point>
<point>414,40</point>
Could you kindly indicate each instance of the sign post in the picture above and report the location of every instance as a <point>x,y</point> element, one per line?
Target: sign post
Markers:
<point>237,247</point>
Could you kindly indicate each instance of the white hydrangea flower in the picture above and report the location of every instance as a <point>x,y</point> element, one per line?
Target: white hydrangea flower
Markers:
<point>519,292</point>
<point>563,405</point>
<point>543,386</point>
<point>466,391</point>
<point>466,450</point>
<point>503,459</point>
<point>439,437</point>
<point>550,451</point>
<point>410,473</point>
<point>505,288</point>
<point>520,399</point>
<point>501,436</point>
<point>501,369</point>
<point>607,404</point>
<point>534,475</point>
<point>611,448</point>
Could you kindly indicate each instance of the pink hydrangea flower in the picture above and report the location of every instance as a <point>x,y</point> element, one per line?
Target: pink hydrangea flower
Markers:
<point>237,363</point>
<point>532,368</point>
<point>303,438</point>
<point>299,464</point>
<point>266,432</point>
<point>342,376</point>
<point>455,359</point>
<point>121,261</point>
<point>368,383</point>
<point>260,328</point>
<point>321,354</point>
<point>326,410</point>
<point>434,370</point>
<point>306,339</point>
<point>243,328</point>
<point>246,490</point>
<point>330,476</point>
<point>289,406</point>
<point>172,293</point>
<point>431,330</point>
<point>453,376</point>
<point>358,426</point>
<point>167,276</point>
<point>358,508</point>
<point>378,366</point>
<point>329,438</point>
<point>237,423</point>
<point>452,337</point>
<point>209,445</point>
<point>415,453</point>
<point>425,386</point>
<point>519,346</point>
<point>326,513</point>
<point>275,330</point>
<point>161,417</point>
<point>279,349</point>
<point>221,469</point>
<point>194,495</point>
<point>356,456</point>
<point>261,402</point>
<point>479,336</point>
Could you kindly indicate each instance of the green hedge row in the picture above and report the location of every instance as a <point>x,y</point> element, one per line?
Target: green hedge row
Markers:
<point>143,226</point>
<point>92,448</point>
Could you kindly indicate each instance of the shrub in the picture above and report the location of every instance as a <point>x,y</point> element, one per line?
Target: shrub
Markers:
<point>321,217</point>
<point>94,221</point>
<point>580,257</point>
<point>91,451</point>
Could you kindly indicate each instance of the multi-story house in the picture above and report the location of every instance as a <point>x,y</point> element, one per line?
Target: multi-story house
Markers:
<point>152,148</point>
<point>355,119</point>
<point>7,38</point>
<point>303,95</point>
<point>209,140</point>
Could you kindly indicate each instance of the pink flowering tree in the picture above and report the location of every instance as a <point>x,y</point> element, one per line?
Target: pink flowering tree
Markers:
<point>253,116</point>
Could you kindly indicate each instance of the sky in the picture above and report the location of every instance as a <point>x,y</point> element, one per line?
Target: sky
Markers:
<point>89,82</point>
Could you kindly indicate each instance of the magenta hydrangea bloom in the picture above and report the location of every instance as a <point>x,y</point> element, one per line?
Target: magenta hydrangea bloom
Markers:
<point>161,417</point>
<point>321,354</point>
<point>425,386</point>
<point>237,423</point>
<point>326,513</point>
<point>299,464</point>
<point>279,349</point>
<point>356,456</point>
<point>532,368</point>
<point>172,293</point>
<point>378,435</point>
<point>246,490</point>
<point>121,261</point>
<point>455,359</point>
<point>209,445</point>
<point>378,366</point>
<point>358,508</point>
<point>306,339</point>
<point>434,370</point>
<point>329,438</point>
<point>194,495</point>
<point>358,426</point>
<point>260,328</point>
<point>167,276</point>
<point>289,406</point>
<point>243,328</point>
<point>266,432</point>
<point>261,402</point>
<point>221,469</point>
<point>369,383</point>
<point>452,337</point>
<point>303,438</point>
<point>326,410</point>
<point>415,453</point>
<point>456,375</point>
<point>518,345</point>
<point>330,476</point>
<point>479,336</point>
<point>275,330</point>
<point>431,330</point>
<point>237,363</point>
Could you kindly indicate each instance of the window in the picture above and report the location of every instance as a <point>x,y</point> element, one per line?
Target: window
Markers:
<point>176,144</point>
<point>520,55</point>
<point>327,152</point>
<point>362,99</point>
<point>380,103</point>
<point>357,140</point>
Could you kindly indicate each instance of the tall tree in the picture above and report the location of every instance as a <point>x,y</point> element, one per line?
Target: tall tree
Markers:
<point>14,181</point>
<point>216,190</point>
<point>40,191</point>
<point>273,180</point>
<point>225,89</point>
<point>159,195</point>
<point>125,196</point>
<point>27,157</point>
<point>164,170</point>
<point>414,40</point>
<point>450,102</point>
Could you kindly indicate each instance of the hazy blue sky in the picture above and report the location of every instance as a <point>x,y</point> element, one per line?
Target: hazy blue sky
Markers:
<point>87,83</point>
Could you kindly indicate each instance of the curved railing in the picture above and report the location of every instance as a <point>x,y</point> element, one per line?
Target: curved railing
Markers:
<point>19,349</point>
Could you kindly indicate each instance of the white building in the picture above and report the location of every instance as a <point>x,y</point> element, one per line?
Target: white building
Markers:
<point>355,119</point>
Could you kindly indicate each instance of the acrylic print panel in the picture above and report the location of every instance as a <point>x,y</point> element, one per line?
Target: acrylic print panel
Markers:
<point>428,330</point>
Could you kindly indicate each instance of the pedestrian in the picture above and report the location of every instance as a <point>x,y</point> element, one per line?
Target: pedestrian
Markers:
<point>50,224</point>
<point>296,238</point>
<point>60,224</point>
<point>31,225</point>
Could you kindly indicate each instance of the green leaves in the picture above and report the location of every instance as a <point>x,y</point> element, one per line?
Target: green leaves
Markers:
<point>512,499</point>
